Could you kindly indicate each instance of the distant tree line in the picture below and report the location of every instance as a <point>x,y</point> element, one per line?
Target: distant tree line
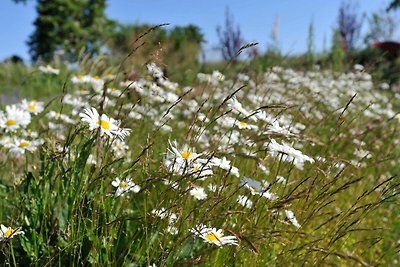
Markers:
<point>80,27</point>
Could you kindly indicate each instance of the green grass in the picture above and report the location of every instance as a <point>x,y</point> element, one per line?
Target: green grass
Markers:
<point>347,205</point>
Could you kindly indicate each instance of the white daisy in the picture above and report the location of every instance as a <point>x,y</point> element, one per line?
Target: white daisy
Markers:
<point>244,201</point>
<point>59,116</point>
<point>14,118</point>
<point>124,186</point>
<point>237,108</point>
<point>198,193</point>
<point>292,218</point>
<point>162,213</point>
<point>256,188</point>
<point>172,230</point>
<point>154,70</point>
<point>225,165</point>
<point>8,232</point>
<point>186,153</point>
<point>119,147</point>
<point>245,125</point>
<point>49,69</point>
<point>19,146</point>
<point>288,153</point>
<point>107,125</point>
<point>213,236</point>
<point>32,106</point>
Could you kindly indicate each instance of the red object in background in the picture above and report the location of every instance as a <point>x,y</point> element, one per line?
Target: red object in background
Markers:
<point>390,47</point>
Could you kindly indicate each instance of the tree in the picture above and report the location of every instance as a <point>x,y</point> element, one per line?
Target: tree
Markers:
<point>230,39</point>
<point>337,54</point>
<point>69,25</point>
<point>382,26</point>
<point>177,41</point>
<point>177,50</point>
<point>122,40</point>
<point>187,34</point>
<point>349,25</point>
<point>394,5</point>
<point>310,44</point>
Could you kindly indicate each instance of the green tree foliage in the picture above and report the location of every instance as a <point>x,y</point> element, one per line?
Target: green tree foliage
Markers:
<point>177,49</point>
<point>337,55</point>
<point>394,4</point>
<point>310,44</point>
<point>69,25</point>
<point>126,38</point>
<point>382,26</point>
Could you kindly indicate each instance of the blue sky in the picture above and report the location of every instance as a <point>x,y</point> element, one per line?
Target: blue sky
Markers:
<point>255,17</point>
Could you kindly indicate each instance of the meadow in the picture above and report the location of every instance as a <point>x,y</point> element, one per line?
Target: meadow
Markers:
<point>279,168</point>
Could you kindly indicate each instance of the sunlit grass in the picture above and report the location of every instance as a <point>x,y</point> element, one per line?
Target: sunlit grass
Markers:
<point>315,154</point>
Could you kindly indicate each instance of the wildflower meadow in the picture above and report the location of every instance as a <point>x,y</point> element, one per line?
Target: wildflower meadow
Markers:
<point>286,168</point>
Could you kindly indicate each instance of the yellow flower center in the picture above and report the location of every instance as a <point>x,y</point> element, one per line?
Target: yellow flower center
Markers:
<point>104,124</point>
<point>23,144</point>
<point>80,77</point>
<point>186,154</point>
<point>212,237</point>
<point>113,89</point>
<point>32,107</point>
<point>253,189</point>
<point>11,122</point>
<point>123,184</point>
<point>97,77</point>
<point>196,168</point>
<point>242,123</point>
<point>9,232</point>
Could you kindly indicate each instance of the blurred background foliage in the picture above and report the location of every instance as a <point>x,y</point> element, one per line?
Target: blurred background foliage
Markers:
<point>75,30</point>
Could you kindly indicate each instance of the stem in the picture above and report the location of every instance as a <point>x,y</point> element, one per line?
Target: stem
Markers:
<point>12,254</point>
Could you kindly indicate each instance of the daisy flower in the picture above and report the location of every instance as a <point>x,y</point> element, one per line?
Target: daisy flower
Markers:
<point>172,230</point>
<point>198,193</point>
<point>256,188</point>
<point>213,236</point>
<point>14,118</point>
<point>114,91</point>
<point>49,69</point>
<point>19,146</point>
<point>81,79</point>
<point>32,106</point>
<point>185,153</point>
<point>6,141</point>
<point>107,125</point>
<point>237,108</point>
<point>288,153</point>
<point>245,125</point>
<point>244,201</point>
<point>124,186</point>
<point>154,70</point>
<point>119,147</point>
<point>202,171</point>
<point>225,165</point>
<point>275,128</point>
<point>292,218</point>
<point>162,213</point>
<point>60,117</point>
<point>8,232</point>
